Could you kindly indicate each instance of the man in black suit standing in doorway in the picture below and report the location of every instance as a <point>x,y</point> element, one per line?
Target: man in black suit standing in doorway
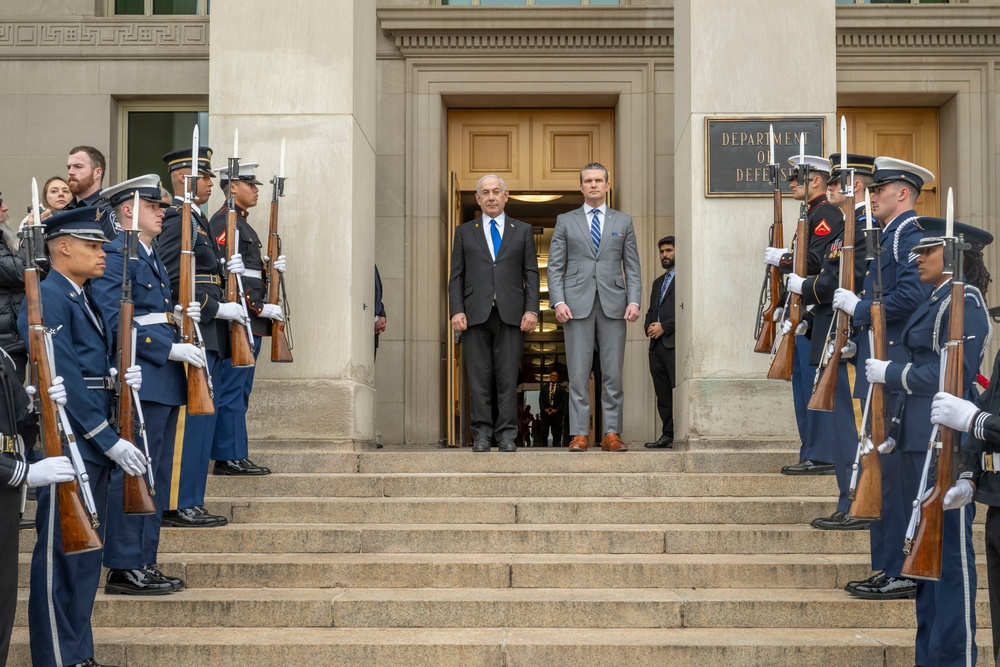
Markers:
<point>494,301</point>
<point>660,330</point>
<point>552,406</point>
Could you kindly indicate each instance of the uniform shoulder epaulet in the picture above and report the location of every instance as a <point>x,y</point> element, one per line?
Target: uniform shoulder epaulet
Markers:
<point>895,239</point>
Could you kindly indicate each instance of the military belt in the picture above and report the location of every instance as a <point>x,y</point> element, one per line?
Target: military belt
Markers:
<point>153,318</point>
<point>105,382</point>
<point>991,462</point>
<point>207,279</point>
<point>8,444</point>
<point>252,273</point>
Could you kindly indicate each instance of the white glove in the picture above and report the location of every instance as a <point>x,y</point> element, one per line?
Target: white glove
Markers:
<point>193,311</point>
<point>231,311</point>
<point>848,350</point>
<point>953,412</point>
<point>875,370</point>
<point>128,456</point>
<point>772,256</point>
<point>845,300</point>
<point>235,264</point>
<point>188,353</point>
<point>885,448</point>
<point>794,283</point>
<point>959,495</point>
<point>52,470</point>
<point>800,330</point>
<point>778,312</point>
<point>57,392</point>
<point>272,312</point>
<point>279,264</point>
<point>133,377</point>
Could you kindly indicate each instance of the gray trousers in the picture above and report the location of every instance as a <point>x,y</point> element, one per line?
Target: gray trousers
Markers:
<point>582,335</point>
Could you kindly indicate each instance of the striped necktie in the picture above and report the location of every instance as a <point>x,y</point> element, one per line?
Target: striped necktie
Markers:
<point>595,229</point>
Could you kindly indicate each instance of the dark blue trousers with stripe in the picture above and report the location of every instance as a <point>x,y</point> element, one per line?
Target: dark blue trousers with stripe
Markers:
<point>199,432</point>
<point>231,439</point>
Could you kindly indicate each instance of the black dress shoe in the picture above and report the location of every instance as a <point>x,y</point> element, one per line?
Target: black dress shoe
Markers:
<point>507,446</point>
<point>220,520</point>
<point>89,662</point>
<point>239,467</point>
<point>26,524</point>
<point>665,442</point>
<point>189,517</point>
<point>807,467</point>
<point>839,521</point>
<point>136,582</point>
<point>886,588</point>
<point>178,584</point>
<point>851,585</point>
<point>250,464</point>
<point>481,446</point>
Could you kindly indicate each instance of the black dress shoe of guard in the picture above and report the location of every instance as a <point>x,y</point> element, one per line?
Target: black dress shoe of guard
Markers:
<point>238,467</point>
<point>664,442</point>
<point>507,446</point>
<point>220,520</point>
<point>154,571</point>
<point>250,464</point>
<point>886,588</point>
<point>807,467</point>
<point>851,585</point>
<point>481,446</point>
<point>136,582</point>
<point>26,524</point>
<point>189,517</point>
<point>89,662</point>
<point>839,521</point>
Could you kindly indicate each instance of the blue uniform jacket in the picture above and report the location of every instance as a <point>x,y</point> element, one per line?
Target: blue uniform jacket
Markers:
<point>919,376</point>
<point>902,292</point>
<point>81,350</point>
<point>163,381</point>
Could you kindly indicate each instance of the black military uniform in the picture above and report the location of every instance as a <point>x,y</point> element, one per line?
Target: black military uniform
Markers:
<point>109,222</point>
<point>254,279</point>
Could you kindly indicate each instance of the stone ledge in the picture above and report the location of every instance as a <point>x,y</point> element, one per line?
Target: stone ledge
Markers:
<point>154,37</point>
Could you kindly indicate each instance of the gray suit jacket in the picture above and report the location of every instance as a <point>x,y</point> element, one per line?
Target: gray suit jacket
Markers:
<point>476,278</point>
<point>576,273</point>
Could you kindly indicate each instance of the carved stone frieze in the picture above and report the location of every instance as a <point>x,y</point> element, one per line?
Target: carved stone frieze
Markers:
<point>115,37</point>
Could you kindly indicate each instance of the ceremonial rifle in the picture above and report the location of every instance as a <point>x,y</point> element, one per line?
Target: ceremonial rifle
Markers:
<point>199,391</point>
<point>136,497</point>
<point>281,344</point>
<point>924,547</point>
<point>770,289</point>
<point>240,334</point>
<point>866,480</point>
<point>78,519</point>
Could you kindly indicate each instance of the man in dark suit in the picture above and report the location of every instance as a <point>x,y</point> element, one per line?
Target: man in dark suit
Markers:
<point>552,402</point>
<point>660,331</point>
<point>494,300</point>
<point>379,309</point>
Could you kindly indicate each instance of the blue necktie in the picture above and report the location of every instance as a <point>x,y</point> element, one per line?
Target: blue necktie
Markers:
<point>667,279</point>
<point>495,234</point>
<point>595,230</point>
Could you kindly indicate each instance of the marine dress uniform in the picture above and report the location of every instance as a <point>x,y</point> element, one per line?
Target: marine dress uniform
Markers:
<point>63,587</point>
<point>187,494</point>
<point>132,540</point>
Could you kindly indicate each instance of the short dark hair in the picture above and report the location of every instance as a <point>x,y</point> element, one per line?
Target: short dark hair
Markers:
<point>595,165</point>
<point>666,240</point>
<point>96,157</point>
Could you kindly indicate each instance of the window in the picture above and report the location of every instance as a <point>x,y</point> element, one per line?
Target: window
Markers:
<point>158,7</point>
<point>147,130</point>
<point>531,3</point>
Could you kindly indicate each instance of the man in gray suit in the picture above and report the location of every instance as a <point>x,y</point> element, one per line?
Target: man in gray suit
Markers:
<point>494,299</point>
<point>594,286</point>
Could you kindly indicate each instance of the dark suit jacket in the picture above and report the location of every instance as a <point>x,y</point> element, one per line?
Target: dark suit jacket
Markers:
<point>476,278</point>
<point>560,399</point>
<point>666,313</point>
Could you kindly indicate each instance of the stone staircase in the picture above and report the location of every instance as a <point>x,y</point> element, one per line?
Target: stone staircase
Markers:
<point>443,557</point>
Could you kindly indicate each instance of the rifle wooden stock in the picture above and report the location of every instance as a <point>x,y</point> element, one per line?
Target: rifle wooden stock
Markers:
<point>923,560</point>
<point>239,333</point>
<point>784,358</point>
<point>199,395</point>
<point>867,500</point>
<point>280,350</point>
<point>78,533</point>
<point>136,498</point>
<point>768,327</point>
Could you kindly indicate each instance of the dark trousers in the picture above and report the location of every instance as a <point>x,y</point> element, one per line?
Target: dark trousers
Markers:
<point>233,399</point>
<point>888,533</point>
<point>10,513</point>
<point>993,574</point>
<point>802,385</point>
<point>199,431</point>
<point>662,367</point>
<point>835,435</point>
<point>492,353</point>
<point>554,423</point>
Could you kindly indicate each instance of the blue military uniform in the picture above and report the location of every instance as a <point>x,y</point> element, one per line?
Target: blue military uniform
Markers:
<point>59,614</point>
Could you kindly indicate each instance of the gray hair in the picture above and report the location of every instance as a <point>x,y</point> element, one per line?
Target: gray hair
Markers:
<point>479,185</point>
<point>595,165</point>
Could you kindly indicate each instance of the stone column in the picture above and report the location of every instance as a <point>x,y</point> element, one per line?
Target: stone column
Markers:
<point>758,58</point>
<point>305,70</point>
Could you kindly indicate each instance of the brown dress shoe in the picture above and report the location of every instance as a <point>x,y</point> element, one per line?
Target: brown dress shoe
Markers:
<point>612,443</point>
<point>578,443</point>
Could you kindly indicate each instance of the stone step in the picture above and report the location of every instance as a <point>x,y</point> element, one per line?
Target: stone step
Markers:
<point>537,485</point>
<point>352,570</point>
<point>786,510</point>
<point>503,608</point>
<point>489,647</point>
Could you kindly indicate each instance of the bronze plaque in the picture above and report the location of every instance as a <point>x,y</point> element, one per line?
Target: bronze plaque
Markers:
<point>736,152</point>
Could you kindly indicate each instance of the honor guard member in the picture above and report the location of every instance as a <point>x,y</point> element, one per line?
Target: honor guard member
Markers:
<point>15,473</point>
<point>187,494</point>
<point>946,609</point>
<point>231,448</point>
<point>85,169</point>
<point>63,587</point>
<point>131,543</point>
<point>838,427</point>
<point>826,223</point>
<point>895,188</point>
